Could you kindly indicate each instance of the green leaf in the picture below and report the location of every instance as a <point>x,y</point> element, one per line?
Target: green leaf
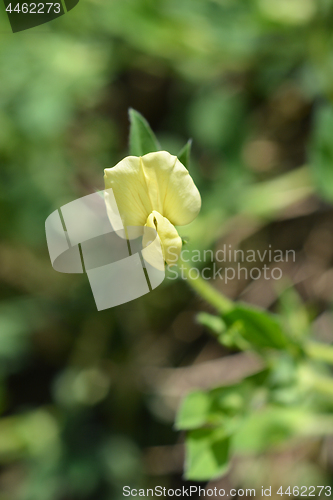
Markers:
<point>232,338</point>
<point>259,328</point>
<point>207,454</point>
<point>219,405</point>
<point>142,139</point>
<point>321,150</point>
<point>214,323</point>
<point>228,401</point>
<point>185,153</point>
<point>269,428</point>
<point>194,411</point>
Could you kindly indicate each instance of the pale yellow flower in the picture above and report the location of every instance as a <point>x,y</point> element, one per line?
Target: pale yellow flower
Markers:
<point>155,190</point>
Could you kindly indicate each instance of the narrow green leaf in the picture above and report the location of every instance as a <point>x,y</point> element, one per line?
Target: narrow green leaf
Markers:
<point>185,153</point>
<point>142,139</point>
<point>207,454</point>
<point>214,323</point>
<point>259,328</point>
<point>194,411</point>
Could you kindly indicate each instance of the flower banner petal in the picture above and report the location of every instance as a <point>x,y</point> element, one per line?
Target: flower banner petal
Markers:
<point>171,188</point>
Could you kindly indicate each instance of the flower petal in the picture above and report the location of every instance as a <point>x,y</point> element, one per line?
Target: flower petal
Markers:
<point>170,240</point>
<point>171,189</point>
<point>129,186</point>
<point>156,181</point>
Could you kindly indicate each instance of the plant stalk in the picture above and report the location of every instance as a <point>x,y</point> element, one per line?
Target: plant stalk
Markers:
<point>216,299</point>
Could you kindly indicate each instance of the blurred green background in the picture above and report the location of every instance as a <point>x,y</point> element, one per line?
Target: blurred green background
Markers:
<point>88,398</point>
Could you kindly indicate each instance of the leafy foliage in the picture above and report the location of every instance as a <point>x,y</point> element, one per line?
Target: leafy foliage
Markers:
<point>258,328</point>
<point>251,82</point>
<point>142,139</point>
<point>207,454</point>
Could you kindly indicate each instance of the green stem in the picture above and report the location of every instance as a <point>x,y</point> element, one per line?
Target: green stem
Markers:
<point>321,352</point>
<point>216,299</point>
